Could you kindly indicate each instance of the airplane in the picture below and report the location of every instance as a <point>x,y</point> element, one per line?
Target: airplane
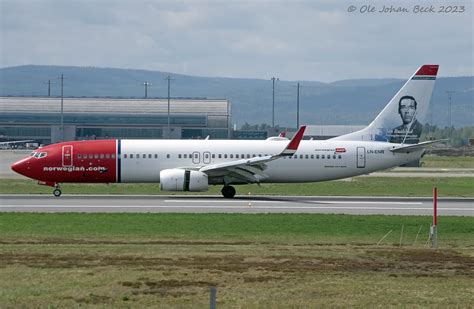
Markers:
<point>391,140</point>
<point>5,145</point>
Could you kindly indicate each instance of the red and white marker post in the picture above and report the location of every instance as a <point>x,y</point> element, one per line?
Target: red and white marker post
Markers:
<point>433,230</point>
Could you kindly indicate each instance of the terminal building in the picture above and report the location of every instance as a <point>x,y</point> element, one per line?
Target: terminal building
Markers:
<point>39,118</point>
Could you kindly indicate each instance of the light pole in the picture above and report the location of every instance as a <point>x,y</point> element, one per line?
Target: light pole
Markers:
<point>450,93</point>
<point>62,107</point>
<point>169,79</point>
<point>273,79</point>
<point>49,87</point>
<point>297,106</point>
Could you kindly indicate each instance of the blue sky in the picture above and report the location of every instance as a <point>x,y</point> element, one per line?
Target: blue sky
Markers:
<point>293,40</point>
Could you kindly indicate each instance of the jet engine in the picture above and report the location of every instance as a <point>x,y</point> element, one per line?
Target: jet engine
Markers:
<point>183,180</point>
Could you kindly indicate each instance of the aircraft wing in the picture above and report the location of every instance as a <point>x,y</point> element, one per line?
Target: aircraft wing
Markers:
<point>251,170</point>
<point>415,147</point>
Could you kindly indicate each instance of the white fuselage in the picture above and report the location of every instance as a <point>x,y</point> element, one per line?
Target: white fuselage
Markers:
<point>142,160</point>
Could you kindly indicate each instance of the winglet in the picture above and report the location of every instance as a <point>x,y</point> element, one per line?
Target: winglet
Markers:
<point>294,143</point>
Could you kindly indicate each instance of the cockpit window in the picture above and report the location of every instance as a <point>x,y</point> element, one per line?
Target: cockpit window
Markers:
<point>39,154</point>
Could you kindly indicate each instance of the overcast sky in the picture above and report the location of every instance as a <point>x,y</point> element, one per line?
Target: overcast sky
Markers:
<point>292,40</point>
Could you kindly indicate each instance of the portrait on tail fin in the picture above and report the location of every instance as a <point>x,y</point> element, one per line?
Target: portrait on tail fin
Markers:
<point>410,130</point>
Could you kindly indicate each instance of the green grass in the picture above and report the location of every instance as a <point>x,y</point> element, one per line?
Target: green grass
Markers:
<point>447,162</point>
<point>257,227</point>
<point>362,186</point>
<point>259,260</point>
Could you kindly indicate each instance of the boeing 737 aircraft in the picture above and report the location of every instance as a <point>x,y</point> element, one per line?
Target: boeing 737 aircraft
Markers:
<point>392,139</point>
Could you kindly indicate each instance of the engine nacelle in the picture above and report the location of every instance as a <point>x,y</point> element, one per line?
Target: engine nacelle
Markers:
<point>183,180</point>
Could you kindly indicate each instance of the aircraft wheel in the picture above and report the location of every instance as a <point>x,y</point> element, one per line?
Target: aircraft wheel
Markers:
<point>57,192</point>
<point>228,192</point>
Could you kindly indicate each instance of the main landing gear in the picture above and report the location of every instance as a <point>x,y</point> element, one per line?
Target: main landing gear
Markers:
<point>228,191</point>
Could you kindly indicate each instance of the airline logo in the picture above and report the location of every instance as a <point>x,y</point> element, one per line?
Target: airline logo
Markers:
<point>340,150</point>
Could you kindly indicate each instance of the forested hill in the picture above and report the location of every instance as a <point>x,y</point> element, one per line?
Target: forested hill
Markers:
<point>343,102</point>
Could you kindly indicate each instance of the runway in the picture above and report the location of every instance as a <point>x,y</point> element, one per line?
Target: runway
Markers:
<point>241,204</point>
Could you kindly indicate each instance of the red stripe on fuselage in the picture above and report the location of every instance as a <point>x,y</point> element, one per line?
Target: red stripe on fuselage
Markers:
<point>89,161</point>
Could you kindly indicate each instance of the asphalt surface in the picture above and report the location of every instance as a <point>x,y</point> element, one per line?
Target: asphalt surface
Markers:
<point>241,204</point>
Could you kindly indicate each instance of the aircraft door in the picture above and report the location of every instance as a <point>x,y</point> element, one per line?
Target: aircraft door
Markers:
<point>206,158</point>
<point>360,157</point>
<point>67,155</point>
<point>196,157</point>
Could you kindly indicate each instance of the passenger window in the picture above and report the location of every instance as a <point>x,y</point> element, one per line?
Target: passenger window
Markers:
<point>213,156</point>
<point>185,156</point>
<point>137,156</point>
<point>340,157</point>
<point>149,156</point>
<point>242,156</point>
<point>144,156</point>
<point>125,156</point>
<point>113,156</point>
<point>107,156</point>
<point>179,156</point>
<point>156,156</point>
<point>131,156</point>
<point>237,156</point>
<point>317,156</point>
<point>322,156</point>
<point>248,156</point>
<point>220,156</point>
<point>168,156</point>
<point>301,156</point>
<point>101,155</point>
<point>231,156</point>
<point>79,156</point>
<point>96,156</point>
<point>329,156</point>
<point>334,156</point>
<point>306,157</point>
<point>312,156</point>
<point>90,156</point>
<point>225,156</point>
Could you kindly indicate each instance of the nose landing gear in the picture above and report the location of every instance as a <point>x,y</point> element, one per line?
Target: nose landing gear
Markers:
<point>228,191</point>
<point>57,192</point>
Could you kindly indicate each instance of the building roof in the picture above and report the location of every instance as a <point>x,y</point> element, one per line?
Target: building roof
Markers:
<point>114,106</point>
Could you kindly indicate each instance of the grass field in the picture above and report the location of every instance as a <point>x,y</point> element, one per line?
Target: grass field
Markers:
<point>362,186</point>
<point>447,162</point>
<point>273,260</point>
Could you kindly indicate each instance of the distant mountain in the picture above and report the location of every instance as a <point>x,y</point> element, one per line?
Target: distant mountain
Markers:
<point>353,102</point>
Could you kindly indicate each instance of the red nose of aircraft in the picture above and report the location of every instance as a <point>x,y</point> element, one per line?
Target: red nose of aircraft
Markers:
<point>21,167</point>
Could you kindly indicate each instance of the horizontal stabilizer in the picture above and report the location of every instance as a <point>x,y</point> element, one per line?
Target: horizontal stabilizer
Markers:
<point>415,147</point>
